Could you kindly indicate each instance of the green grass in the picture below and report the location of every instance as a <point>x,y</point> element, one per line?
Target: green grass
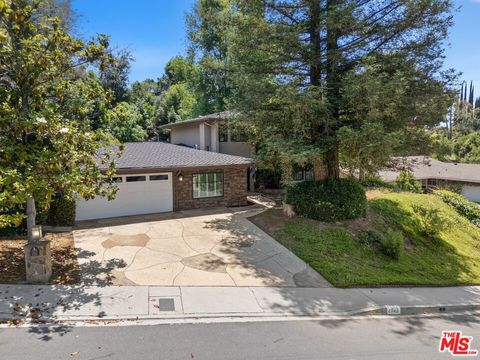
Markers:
<point>452,259</point>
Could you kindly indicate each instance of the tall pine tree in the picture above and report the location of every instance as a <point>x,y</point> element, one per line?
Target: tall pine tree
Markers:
<point>292,60</point>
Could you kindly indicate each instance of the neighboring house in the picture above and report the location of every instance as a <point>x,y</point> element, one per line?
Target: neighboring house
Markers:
<point>156,177</point>
<point>437,174</point>
<point>210,133</point>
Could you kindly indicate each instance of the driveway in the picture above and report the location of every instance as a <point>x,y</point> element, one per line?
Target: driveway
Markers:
<point>219,247</point>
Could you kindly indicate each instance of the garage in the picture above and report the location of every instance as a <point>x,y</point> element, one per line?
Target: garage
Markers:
<point>137,194</point>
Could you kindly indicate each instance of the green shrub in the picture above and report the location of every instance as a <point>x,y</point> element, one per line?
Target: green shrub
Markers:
<point>370,237</point>
<point>392,244</point>
<point>61,212</point>
<point>407,182</point>
<point>431,220</point>
<point>18,212</point>
<point>375,182</point>
<point>464,207</point>
<point>329,200</point>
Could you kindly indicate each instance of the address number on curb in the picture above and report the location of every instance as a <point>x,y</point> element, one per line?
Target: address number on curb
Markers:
<point>393,310</point>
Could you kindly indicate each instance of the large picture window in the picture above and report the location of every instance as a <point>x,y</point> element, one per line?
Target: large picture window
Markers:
<point>207,185</point>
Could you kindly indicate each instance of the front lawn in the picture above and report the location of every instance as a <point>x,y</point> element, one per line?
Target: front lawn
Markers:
<point>334,251</point>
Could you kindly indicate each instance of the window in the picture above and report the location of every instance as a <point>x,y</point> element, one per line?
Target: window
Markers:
<point>207,185</point>
<point>432,182</point>
<point>136,178</point>
<point>158,177</point>
<point>303,174</point>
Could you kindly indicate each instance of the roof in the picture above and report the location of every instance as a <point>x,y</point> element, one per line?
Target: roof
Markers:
<point>424,167</point>
<point>211,117</point>
<point>162,155</point>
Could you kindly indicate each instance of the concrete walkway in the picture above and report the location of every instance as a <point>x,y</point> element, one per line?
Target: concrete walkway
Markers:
<point>218,247</point>
<point>151,302</point>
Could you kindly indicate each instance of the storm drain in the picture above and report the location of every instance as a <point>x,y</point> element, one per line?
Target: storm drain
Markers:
<point>166,304</point>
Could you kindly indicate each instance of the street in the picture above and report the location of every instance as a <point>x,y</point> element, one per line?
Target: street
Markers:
<point>356,338</point>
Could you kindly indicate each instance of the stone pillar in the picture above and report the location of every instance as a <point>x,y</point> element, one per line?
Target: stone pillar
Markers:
<point>38,261</point>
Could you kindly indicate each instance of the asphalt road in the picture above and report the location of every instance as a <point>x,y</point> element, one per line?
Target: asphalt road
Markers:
<point>367,338</point>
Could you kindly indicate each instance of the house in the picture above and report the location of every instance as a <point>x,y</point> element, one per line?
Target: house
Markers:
<point>156,177</point>
<point>210,133</point>
<point>464,178</point>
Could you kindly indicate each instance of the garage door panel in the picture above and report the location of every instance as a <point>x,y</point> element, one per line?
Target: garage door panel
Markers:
<point>133,198</point>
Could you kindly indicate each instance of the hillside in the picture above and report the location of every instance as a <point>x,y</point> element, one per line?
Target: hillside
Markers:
<point>335,252</point>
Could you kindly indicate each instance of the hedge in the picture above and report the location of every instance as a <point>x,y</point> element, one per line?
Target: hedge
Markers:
<point>464,207</point>
<point>61,212</point>
<point>329,200</point>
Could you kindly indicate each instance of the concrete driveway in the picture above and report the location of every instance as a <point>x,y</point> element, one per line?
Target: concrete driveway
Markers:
<point>190,248</point>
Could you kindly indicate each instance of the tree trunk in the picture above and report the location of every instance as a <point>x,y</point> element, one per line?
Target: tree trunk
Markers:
<point>332,164</point>
<point>31,215</point>
<point>333,91</point>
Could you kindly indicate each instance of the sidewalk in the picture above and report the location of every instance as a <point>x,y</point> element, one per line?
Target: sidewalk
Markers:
<point>144,302</point>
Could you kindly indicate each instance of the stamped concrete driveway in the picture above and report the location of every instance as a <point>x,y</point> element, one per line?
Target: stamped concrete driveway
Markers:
<point>219,247</point>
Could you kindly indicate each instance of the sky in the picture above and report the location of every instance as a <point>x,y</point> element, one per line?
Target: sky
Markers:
<point>154,31</point>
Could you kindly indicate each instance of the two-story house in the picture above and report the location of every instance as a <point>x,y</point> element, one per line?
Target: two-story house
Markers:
<point>211,133</point>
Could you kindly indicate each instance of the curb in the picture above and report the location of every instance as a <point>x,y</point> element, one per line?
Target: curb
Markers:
<point>375,311</point>
<point>393,310</point>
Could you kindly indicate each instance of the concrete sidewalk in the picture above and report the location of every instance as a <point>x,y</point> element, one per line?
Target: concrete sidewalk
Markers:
<point>151,302</point>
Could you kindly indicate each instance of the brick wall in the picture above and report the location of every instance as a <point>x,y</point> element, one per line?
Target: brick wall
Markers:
<point>234,191</point>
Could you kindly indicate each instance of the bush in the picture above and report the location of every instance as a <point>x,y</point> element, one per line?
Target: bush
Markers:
<point>392,244</point>
<point>370,237</point>
<point>464,207</point>
<point>20,212</point>
<point>375,182</point>
<point>407,182</point>
<point>61,212</point>
<point>431,220</point>
<point>328,200</point>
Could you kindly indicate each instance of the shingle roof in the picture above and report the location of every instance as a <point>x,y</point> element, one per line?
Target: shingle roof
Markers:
<point>144,155</point>
<point>424,167</point>
<point>211,117</point>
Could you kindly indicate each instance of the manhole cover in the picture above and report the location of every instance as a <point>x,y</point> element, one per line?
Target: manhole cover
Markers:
<point>166,304</point>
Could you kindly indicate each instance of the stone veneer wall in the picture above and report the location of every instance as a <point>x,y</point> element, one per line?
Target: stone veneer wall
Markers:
<point>234,191</point>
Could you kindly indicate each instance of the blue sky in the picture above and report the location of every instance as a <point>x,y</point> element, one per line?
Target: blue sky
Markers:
<point>154,31</point>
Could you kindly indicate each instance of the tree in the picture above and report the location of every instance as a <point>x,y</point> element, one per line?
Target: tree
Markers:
<point>44,149</point>
<point>114,76</point>
<point>145,95</point>
<point>290,61</point>
<point>208,28</point>
<point>177,103</point>
<point>124,123</point>
<point>365,151</point>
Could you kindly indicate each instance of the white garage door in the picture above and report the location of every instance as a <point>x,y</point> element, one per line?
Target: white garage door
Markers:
<point>137,194</point>
<point>472,193</point>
